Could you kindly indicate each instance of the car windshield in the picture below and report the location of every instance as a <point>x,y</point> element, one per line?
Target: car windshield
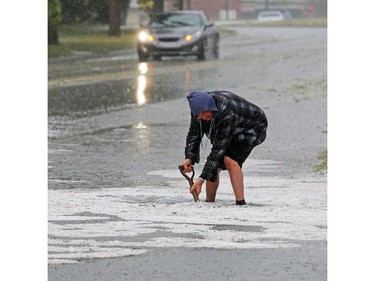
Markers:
<point>175,20</point>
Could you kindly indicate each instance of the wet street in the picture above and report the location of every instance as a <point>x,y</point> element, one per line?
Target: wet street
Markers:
<point>120,114</point>
<point>116,134</point>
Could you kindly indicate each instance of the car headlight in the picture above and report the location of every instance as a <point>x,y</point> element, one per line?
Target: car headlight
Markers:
<point>194,36</point>
<point>144,36</point>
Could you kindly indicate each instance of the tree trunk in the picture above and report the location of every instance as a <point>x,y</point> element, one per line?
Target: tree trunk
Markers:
<point>114,18</point>
<point>180,4</point>
<point>53,37</point>
<point>158,6</point>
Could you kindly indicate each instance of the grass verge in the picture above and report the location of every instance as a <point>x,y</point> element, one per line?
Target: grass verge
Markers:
<point>322,167</point>
<point>304,22</point>
<point>90,38</point>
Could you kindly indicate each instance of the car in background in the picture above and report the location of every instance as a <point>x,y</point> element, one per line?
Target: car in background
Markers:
<point>270,16</point>
<point>178,33</point>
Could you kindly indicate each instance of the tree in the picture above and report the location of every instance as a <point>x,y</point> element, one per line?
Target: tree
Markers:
<point>101,9</point>
<point>152,6</point>
<point>179,4</point>
<point>116,8</point>
<point>322,8</point>
<point>114,18</point>
<point>158,6</point>
<point>54,19</point>
<point>74,11</point>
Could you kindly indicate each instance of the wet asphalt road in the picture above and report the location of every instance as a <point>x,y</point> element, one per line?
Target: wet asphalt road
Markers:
<point>113,121</point>
<point>120,114</point>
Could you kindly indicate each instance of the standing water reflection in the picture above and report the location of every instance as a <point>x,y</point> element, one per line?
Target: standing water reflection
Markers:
<point>142,82</point>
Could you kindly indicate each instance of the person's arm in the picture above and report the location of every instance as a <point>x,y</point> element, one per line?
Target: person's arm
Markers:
<point>224,132</point>
<point>193,140</point>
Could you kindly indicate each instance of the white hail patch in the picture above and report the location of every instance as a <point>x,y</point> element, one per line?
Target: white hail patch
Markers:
<point>116,222</point>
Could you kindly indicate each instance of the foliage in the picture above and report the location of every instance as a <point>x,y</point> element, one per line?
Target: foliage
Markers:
<point>73,10</point>
<point>146,4</point>
<point>94,11</point>
<point>151,6</point>
<point>323,165</point>
<point>54,12</point>
<point>54,19</point>
<point>100,10</point>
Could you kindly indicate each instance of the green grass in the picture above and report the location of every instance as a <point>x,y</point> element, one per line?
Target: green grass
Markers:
<point>90,38</point>
<point>322,167</point>
<point>303,22</point>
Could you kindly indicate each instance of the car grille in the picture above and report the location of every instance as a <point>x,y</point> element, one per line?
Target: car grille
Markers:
<point>172,39</point>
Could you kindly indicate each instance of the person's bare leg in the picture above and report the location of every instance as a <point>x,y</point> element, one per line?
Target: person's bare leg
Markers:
<point>236,178</point>
<point>211,188</point>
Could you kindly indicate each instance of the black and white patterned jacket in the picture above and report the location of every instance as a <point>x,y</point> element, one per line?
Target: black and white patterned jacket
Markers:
<point>236,120</point>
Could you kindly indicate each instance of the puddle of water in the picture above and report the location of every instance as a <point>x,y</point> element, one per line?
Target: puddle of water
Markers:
<point>92,99</point>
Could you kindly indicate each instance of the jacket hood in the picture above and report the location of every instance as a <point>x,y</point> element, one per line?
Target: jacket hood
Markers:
<point>200,101</point>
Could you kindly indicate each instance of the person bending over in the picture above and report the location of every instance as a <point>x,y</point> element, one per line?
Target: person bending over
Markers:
<point>234,127</point>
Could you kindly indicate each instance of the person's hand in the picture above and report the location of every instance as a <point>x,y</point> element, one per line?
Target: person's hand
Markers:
<point>197,186</point>
<point>187,166</point>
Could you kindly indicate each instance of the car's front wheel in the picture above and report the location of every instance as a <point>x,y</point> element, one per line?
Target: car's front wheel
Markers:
<point>215,50</point>
<point>142,56</point>
<point>202,52</point>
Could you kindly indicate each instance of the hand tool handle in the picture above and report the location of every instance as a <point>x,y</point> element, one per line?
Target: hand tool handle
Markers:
<point>190,180</point>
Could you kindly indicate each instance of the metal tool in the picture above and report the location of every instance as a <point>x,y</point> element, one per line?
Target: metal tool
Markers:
<point>190,180</point>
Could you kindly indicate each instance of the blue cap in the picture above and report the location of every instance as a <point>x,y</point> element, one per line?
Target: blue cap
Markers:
<point>200,101</point>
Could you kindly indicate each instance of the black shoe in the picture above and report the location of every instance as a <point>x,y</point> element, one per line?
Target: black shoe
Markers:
<point>241,202</point>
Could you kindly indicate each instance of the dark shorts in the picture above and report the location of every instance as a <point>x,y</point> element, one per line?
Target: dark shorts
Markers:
<point>239,151</point>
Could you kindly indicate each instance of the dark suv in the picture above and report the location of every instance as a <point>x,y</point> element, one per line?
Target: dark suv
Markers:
<point>178,33</point>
